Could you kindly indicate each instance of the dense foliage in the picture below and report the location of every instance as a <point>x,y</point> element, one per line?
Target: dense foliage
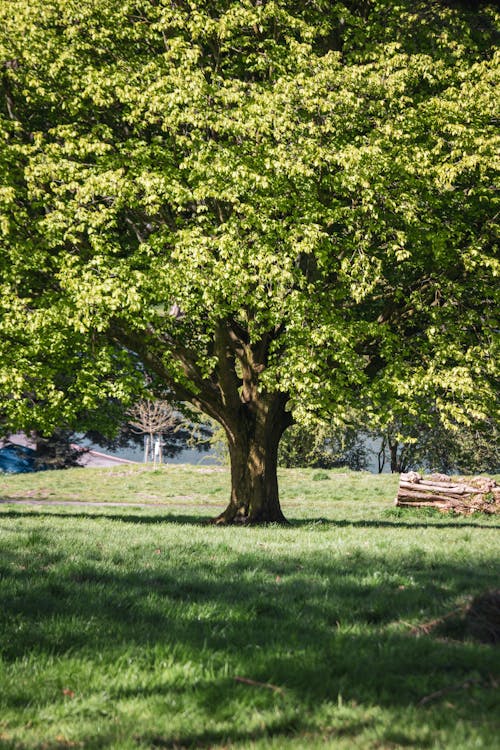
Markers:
<point>416,445</point>
<point>324,446</point>
<point>272,208</point>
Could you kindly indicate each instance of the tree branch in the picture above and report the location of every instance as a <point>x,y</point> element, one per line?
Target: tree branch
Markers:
<point>204,395</point>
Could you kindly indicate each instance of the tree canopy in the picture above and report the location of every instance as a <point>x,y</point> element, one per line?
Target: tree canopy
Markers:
<point>272,209</point>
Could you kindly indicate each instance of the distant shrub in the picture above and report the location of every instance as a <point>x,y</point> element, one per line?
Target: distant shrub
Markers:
<point>320,476</point>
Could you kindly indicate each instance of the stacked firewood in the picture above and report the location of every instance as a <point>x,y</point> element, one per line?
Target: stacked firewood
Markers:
<point>461,495</point>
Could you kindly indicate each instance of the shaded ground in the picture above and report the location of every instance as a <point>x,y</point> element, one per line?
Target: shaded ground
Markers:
<point>136,629</point>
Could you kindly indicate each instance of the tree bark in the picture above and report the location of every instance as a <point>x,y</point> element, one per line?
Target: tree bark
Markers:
<point>253,419</point>
<point>253,451</point>
<point>395,468</point>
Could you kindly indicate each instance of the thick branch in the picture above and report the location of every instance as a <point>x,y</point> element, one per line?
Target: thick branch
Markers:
<point>9,99</point>
<point>228,381</point>
<point>202,395</point>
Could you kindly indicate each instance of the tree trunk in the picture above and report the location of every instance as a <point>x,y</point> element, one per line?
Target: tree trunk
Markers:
<point>393,447</point>
<point>253,419</point>
<point>253,452</point>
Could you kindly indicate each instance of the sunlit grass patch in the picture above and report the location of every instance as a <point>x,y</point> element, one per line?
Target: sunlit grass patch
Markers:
<point>143,627</point>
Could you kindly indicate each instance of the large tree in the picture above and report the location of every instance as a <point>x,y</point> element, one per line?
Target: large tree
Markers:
<point>271,209</point>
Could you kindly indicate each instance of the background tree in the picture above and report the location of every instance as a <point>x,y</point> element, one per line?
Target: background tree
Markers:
<point>432,447</point>
<point>57,450</point>
<point>324,445</point>
<point>152,419</point>
<point>273,209</point>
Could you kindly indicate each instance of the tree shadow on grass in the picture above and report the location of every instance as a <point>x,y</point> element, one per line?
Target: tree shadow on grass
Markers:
<point>159,518</point>
<point>198,520</point>
<point>400,523</point>
<point>314,626</point>
<point>286,726</point>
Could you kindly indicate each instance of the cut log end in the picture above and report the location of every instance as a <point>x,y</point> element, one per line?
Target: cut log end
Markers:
<point>458,494</point>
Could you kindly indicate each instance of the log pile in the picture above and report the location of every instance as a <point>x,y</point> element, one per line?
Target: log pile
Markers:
<point>460,495</point>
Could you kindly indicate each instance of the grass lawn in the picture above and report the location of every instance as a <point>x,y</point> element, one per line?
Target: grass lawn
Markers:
<point>143,627</point>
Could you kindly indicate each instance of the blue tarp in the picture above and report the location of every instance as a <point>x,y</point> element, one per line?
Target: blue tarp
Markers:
<point>17,459</point>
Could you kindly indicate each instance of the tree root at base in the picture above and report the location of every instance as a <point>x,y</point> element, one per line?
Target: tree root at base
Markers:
<point>235,518</point>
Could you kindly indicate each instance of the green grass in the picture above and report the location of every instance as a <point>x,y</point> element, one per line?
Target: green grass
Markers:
<point>127,627</point>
